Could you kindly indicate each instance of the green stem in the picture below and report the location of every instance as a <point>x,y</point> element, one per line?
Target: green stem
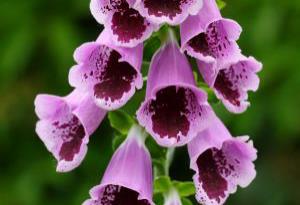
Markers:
<point>169,160</point>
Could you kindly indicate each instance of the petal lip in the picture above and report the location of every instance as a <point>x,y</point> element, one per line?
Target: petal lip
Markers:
<point>132,55</point>
<point>170,69</point>
<point>64,166</point>
<point>247,81</point>
<point>236,161</point>
<point>112,16</point>
<point>82,53</point>
<point>206,139</point>
<point>201,95</point>
<point>94,193</point>
<point>54,146</point>
<point>232,37</point>
<point>242,174</point>
<point>133,42</point>
<point>62,110</point>
<point>186,10</point>
<point>131,159</point>
<point>100,17</point>
<point>114,105</point>
<point>186,37</point>
<point>44,109</point>
<point>200,24</point>
<point>167,141</point>
<point>85,75</point>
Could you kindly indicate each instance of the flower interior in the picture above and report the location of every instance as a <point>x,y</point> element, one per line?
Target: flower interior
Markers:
<point>71,132</point>
<point>214,42</point>
<point>119,195</point>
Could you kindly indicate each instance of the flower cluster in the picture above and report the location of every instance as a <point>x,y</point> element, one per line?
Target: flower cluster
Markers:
<point>175,111</point>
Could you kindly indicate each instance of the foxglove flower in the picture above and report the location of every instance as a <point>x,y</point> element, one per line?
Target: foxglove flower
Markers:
<point>128,177</point>
<point>232,81</point>
<point>172,198</point>
<point>109,73</point>
<point>174,110</point>
<point>65,126</point>
<point>221,163</point>
<point>172,12</point>
<point>209,37</point>
<point>126,26</point>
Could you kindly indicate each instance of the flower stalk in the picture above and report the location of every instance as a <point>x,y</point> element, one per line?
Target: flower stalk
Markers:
<point>175,110</point>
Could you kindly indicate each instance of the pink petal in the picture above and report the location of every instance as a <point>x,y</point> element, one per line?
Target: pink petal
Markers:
<point>108,72</point>
<point>174,110</point>
<point>168,11</point>
<point>221,163</point>
<point>130,159</point>
<point>65,128</point>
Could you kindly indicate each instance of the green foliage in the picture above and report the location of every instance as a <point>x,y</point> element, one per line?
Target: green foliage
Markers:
<point>162,184</point>
<point>221,4</point>
<point>158,198</point>
<point>184,189</point>
<point>120,121</point>
<point>151,46</point>
<point>158,155</point>
<point>117,141</point>
<point>186,201</point>
<point>37,42</point>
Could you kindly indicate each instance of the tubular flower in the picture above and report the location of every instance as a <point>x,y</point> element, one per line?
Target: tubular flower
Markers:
<point>109,73</point>
<point>221,163</point>
<point>172,198</point>
<point>209,37</point>
<point>65,126</point>
<point>128,177</point>
<point>174,110</point>
<point>126,26</point>
<point>232,81</point>
<point>172,12</point>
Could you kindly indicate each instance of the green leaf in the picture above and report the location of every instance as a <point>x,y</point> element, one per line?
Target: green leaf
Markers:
<point>135,102</point>
<point>186,201</point>
<point>117,141</point>
<point>221,4</point>
<point>159,167</point>
<point>184,189</point>
<point>158,199</point>
<point>156,151</point>
<point>212,99</point>
<point>151,46</point>
<point>120,121</point>
<point>162,184</point>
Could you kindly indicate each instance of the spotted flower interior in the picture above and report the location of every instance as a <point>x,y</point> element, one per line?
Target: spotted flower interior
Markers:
<point>63,134</point>
<point>71,132</point>
<point>233,83</point>
<point>117,195</point>
<point>110,80</point>
<point>174,114</point>
<point>214,42</point>
<point>221,170</point>
<point>175,107</point>
<point>173,12</point>
<point>127,26</point>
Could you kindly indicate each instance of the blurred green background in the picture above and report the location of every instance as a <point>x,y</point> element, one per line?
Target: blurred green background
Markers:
<point>37,41</point>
